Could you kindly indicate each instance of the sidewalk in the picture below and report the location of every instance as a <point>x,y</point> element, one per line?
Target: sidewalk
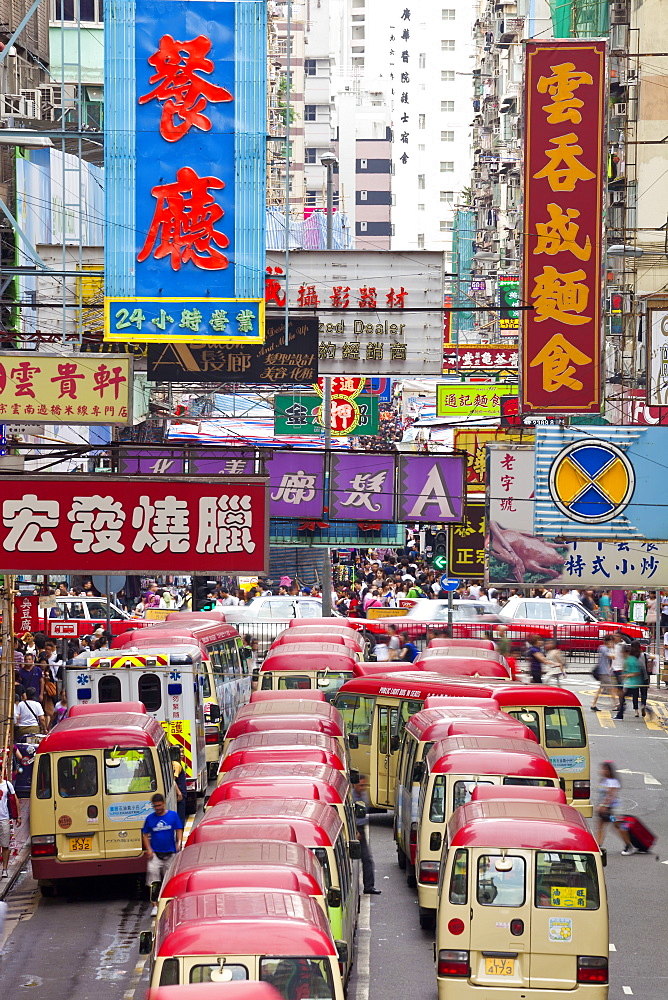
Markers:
<point>19,849</point>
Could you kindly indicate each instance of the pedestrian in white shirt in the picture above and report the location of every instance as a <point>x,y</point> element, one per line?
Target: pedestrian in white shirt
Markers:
<point>6,789</point>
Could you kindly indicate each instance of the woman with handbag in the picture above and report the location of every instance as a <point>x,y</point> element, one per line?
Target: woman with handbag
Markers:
<point>9,811</point>
<point>50,691</point>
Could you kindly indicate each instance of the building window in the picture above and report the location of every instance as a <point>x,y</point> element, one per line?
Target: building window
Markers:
<point>309,112</point>
<point>73,10</point>
<point>422,60</point>
<point>421,121</point>
<point>282,45</point>
<point>420,208</point>
<point>448,15</point>
<point>447,195</point>
<point>364,195</point>
<point>310,67</point>
<point>449,257</point>
<point>447,76</point>
<point>421,148</point>
<point>447,136</point>
<point>445,106</point>
<point>310,154</point>
<point>311,199</point>
<point>421,182</point>
<point>447,166</point>
<point>363,164</point>
<point>420,241</point>
<point>362,227</point>
<point>445,226</point>
<point>447,45</point>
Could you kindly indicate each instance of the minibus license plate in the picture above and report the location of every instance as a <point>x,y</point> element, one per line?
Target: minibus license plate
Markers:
<point>500,966</point>
<point>81,843</point>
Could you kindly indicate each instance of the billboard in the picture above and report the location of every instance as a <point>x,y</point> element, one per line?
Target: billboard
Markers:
<point>508,286</point>
<point>515,555</point>
<point>466,543</point>
<point>380,312</point>
<point>657,357</point>
<point>479,358</point>
<point>361,486</point>
<point>301,413</point>
<point>565,113</point>
<point>472,443</point>
<point>273,362</point>
<point>431,489</point>
<point>53,389</point>
<point>590,485</point>
<point>133,525</point>
<point>471,399</point>
<point>185,144</point>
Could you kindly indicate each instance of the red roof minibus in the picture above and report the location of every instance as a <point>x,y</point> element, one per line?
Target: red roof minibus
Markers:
<point>522,909</point>
<point>91,792</point>
<point>453,767</point>
<point>463,652</point>
<point>313,824</point>
<point>306,781</point>
<point>463,666</point>
<point>439,643</point>
<point>421,731</point>
<point>221,991</point>
<point>322,666</point>
<point>524,793</point>
<point>308,694</point>
<point>279,937</point>
<point>285,746</point>
<point>293,637</point>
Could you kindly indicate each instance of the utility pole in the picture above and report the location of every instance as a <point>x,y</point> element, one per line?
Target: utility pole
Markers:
<point>6,673</point>
<point>329,161</point>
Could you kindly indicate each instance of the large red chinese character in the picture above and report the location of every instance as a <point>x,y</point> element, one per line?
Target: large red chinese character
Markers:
<point>105,378</point>
<point>185,94</point>
<point>67,376</point>
<point>273,290</point>
<point>182,226</point>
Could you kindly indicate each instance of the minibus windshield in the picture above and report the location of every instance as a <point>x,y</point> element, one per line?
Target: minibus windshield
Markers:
<point>298,977</point>
<point>566,881</point>
<point>129,769</point>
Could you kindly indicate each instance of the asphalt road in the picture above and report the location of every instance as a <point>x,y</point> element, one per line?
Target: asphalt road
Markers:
<point>85,946</point>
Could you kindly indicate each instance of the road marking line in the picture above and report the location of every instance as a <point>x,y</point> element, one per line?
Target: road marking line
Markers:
<point>648,778</point>
<point>605,719</point>
<point>190,822</point>
<point>627,990</point>
<point>649,722</point>
<point>611,947</point>
<point>134,982</point>
<point>364,950</point>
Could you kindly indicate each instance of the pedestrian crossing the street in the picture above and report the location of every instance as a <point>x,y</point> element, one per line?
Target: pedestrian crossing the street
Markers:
<point>656,719</point>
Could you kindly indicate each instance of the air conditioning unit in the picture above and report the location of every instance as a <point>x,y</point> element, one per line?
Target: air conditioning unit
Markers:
<point>617,197</point>
<point>620,13</point>
<point>19,106</point>
<point>620,109</point>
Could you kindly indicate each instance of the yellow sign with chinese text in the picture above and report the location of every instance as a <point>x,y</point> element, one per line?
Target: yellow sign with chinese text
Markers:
<point>471,400</point>
<point>71,389</point>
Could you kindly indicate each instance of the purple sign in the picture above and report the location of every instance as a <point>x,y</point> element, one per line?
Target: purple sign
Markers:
<point>296,484</point>
<point>222,463</point>
<point>431,488</point>
<point>361,487</point>
<point>136,462</point>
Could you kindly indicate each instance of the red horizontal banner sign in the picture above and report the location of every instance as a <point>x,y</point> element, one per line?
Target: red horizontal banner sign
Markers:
<point>483,356</point>
<point>563,200</point>
<point>135,525</point>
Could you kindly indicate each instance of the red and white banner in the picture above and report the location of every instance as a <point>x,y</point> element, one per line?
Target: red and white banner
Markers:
<point>565,117</point>
<point>480,356</point>
<point>133,525</point>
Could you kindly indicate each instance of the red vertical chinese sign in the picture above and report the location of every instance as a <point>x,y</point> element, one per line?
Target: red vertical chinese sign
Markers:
<point>563,202</point>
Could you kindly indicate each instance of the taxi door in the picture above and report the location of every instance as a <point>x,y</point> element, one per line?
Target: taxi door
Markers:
<point>388,728</point>
<point>500,928</point>
<point>78,806</point>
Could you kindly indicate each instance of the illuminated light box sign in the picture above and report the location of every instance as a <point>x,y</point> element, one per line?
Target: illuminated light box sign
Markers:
<point>197,321</point>
<point>471,400</point>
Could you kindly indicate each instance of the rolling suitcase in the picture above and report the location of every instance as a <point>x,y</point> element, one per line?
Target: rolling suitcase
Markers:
<point>641,838</point>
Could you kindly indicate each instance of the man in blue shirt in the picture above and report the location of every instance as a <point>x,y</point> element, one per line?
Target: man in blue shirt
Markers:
<point>161,836</point>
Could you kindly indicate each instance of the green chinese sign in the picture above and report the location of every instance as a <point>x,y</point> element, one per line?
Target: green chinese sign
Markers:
<point>296,414</point>
<point>509,297</point>
<point>471,399</point>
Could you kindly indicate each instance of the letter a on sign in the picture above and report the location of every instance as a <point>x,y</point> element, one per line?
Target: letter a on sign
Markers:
<point>431,488</point>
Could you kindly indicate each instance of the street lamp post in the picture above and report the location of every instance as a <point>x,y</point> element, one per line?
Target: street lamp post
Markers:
<point>329,161</point>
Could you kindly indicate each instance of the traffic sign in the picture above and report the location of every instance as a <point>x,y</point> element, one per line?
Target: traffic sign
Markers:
<point>60,630</point>
<point>448,584</point>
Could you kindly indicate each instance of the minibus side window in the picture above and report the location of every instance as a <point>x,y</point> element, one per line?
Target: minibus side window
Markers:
<point>357,711</point>
<point>109,689</point>
<point>437,804</point>
<point>169,974</point>
<point>501,888</point>
<point>206,687</point>
<point>321,855</point>
<point>459,877</point>
<point>229,973</point>
<point>463,791</point>
<point>408,708</point>
<point>149,692</point>
<point>351,824</point>
<point>566,881</point>
<point>529,718</point>
<point>77,776</point>
<point>43,777</point>
<point>165,765</point>
<point>298,977</point>
<point>343,864</point>
<point>513,779</point>
<point>266,682</point>
<point>564,727</point>
<point>129,769</point>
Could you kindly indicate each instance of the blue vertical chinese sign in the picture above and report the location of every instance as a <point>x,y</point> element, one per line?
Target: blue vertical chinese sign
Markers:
<point>185,94</point>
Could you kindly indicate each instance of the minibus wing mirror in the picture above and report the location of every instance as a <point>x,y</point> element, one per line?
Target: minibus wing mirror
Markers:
<point>342,952</point>
<point>214,713</point>
<point>145,942</point>
<point>435,841</point>
<point>355,850</point>
<point>154,891</point>
<point>604,857</point>
<point>333,896</point>
<point>175,753</point>
<point>418,772</point>
<point>353,741</point>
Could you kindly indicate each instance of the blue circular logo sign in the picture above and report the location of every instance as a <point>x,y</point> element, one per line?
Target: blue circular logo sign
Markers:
<point>591,481</point>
